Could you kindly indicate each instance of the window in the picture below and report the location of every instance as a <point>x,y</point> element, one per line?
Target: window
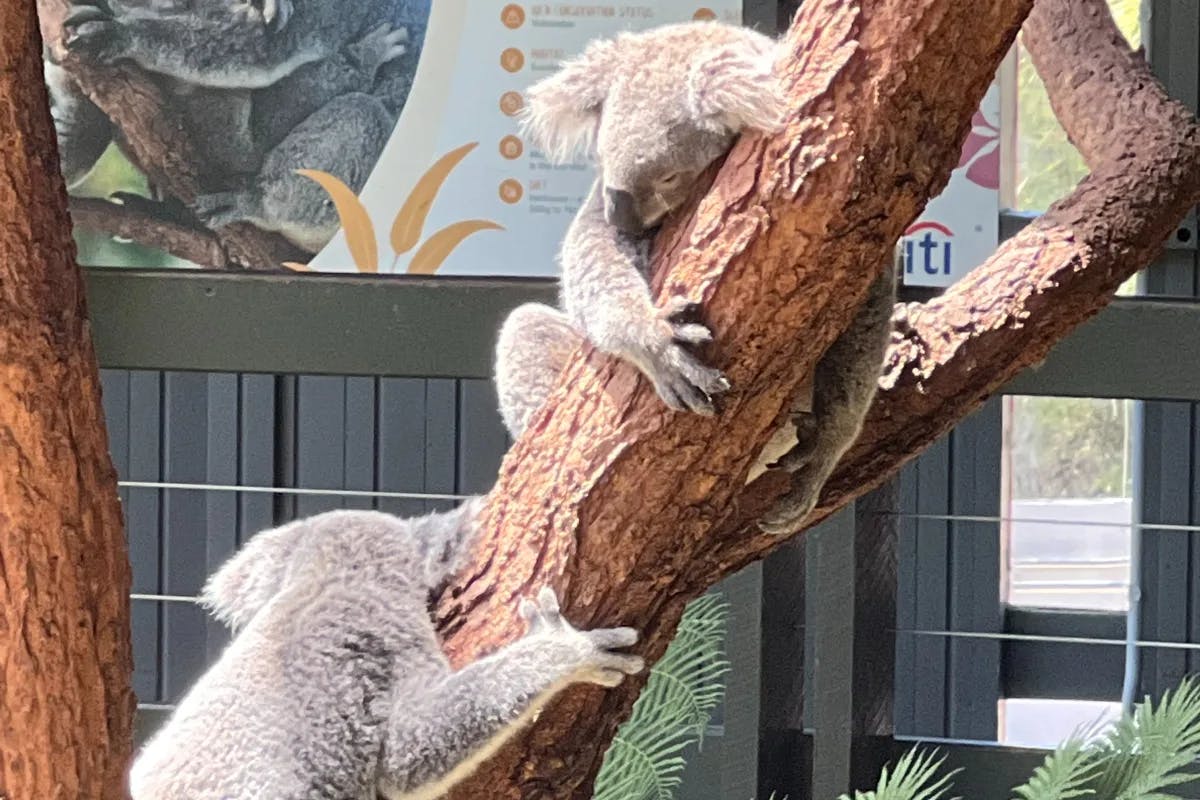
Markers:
<point>1045,164</point>
<point>1067,506</point>
<point>1045,723</point>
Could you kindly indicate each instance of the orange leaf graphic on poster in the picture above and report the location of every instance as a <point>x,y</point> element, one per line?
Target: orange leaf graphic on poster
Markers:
<point>360,233</point>
<point>409,222</point>
<point>297,267</point>
<point>435,250</point>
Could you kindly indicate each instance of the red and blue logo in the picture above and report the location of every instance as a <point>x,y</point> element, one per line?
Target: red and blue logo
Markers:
<point>927,249</point>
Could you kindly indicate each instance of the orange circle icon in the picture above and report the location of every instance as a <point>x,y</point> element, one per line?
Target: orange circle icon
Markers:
<point>512,59</point>
<point>511,103</point>
<point>511,147</point>
<point>513,16</point>
<point>511,191</point>
<point>705,13</point>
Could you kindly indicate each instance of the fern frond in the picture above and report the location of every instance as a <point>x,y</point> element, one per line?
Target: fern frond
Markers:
<point>1064,774</point>
<point>1153,748</point>
<point>914,777</point>
<point>645,761</point>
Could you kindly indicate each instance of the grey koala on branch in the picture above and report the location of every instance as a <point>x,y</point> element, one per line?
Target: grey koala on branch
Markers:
<point>335,686</point>
<point>655,109</point>
<point>264,88</point>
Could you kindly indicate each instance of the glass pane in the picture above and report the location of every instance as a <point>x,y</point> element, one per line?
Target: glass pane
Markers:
<point>1047,165</point>
<point>1067,506</point>
<point>1045,723</point>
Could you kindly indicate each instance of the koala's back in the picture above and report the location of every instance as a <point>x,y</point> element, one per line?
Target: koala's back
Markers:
<point>295,708</point>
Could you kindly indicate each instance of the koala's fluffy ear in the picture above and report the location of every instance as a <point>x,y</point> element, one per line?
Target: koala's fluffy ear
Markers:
<point>563,111</point>
<point>737,88</point>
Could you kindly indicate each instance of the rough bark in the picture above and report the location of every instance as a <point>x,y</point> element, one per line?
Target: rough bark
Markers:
<point>625,507</point>
<point>66,707</point>
<point>156,139</point>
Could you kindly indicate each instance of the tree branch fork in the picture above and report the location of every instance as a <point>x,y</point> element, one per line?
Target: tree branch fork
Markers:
<point>631,510</point>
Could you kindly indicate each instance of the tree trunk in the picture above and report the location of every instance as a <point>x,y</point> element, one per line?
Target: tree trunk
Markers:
<point>630,510</point>
<point>66,707</point>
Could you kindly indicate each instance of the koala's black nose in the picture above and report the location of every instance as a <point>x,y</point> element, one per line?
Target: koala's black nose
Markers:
<point>620,211</point>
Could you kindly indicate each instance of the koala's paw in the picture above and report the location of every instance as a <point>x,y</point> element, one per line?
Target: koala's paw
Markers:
<point>219,209</point>
<point>792,509</point>
<point>683,381</point>
<point>590,651</point>
<point>381,45</point>
<point>91,30</point>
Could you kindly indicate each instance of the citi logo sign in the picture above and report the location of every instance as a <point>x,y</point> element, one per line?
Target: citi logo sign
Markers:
<point>927,249</point>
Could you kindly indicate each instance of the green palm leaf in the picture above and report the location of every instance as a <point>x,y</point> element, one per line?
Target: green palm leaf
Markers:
<point>646,759</point>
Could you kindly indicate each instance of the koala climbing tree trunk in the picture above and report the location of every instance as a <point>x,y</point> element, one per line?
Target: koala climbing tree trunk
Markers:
<point>630,509</point>
<point>66,706</point>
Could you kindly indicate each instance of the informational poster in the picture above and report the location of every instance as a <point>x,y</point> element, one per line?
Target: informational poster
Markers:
<point>397,151</point>
<point>394,148</point>
<point>960,227</point>
<point>497,202</point>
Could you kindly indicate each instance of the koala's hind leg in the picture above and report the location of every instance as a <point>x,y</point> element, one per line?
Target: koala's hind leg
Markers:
<point>531,350</point>
<point>343,138</point>
<point>844,385</point>
<point>439,735</point>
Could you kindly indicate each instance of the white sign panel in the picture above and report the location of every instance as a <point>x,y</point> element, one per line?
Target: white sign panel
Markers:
<point>499,208</point>
<point>960,227</point>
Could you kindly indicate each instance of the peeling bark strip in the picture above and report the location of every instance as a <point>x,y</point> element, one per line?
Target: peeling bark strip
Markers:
<point>616,501</point>
<point>66,708</point>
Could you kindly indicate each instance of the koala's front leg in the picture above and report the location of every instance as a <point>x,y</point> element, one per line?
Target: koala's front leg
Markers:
<point>460,722</point>
<point>606,295</point>
<point>845,382</point>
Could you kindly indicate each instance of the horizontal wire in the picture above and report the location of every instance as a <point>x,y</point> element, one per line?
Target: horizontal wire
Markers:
<point>166,598</point>
<point>1018,637</point>
<point>218,487</point>
<point>1050,639</point>
<point>1158,526</point>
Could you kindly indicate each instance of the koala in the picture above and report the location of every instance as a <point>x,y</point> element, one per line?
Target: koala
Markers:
<point>654,109</point>
<point>265,90</point>
<point>334,685</point>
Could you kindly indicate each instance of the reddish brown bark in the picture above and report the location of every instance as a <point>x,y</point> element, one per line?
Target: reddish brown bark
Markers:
<point>66,707</point>
<point>627,508</point>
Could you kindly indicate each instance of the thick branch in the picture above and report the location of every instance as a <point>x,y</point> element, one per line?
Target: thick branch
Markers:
<point>613,499</point>
<point>956,351</point>
<point>156,139</point>
<point>197,245</point>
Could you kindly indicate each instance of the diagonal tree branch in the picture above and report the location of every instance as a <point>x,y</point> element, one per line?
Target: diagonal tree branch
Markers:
<point>198,245</point>
<point>620,503</point>
<point>957,350</point>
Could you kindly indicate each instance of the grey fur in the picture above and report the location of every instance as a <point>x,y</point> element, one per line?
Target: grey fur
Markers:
<point>335,686</point>
<point>655,109</point>
<point>266,90</point>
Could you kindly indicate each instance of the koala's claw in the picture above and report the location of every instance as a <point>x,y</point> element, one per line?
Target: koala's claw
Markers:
<point>381,45</point>
<point>791,510</point>
<point>686,384</point>
<point>598,663</point>
<point>276,14</point>
<point>91,28</point>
